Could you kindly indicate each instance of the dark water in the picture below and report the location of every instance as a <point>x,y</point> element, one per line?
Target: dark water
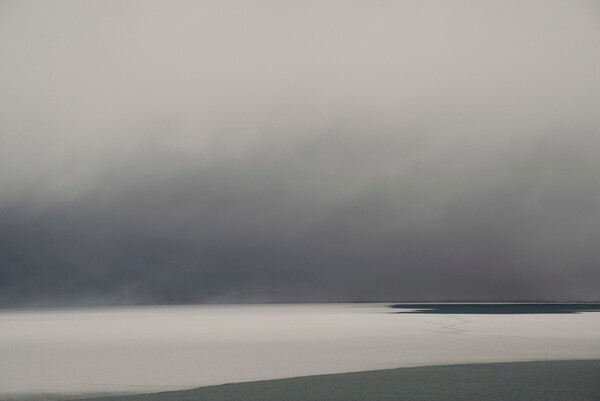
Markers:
<point>521,381</point>
<point>497,309</point>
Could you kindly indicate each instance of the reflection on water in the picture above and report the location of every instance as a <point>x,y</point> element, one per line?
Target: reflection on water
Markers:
<point>498,309</point>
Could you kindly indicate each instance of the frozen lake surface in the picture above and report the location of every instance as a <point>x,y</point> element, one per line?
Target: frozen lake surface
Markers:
<point>148,349</point>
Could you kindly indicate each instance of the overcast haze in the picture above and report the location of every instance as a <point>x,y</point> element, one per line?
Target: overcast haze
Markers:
<point>250,151</point>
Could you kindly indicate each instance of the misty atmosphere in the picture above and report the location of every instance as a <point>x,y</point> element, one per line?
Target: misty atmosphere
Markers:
<point>274,151</point>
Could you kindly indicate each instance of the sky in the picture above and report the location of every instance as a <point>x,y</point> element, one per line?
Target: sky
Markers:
<point>168,152</point>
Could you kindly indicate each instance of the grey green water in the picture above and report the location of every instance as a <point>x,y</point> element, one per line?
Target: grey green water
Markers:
<point>521,381</point>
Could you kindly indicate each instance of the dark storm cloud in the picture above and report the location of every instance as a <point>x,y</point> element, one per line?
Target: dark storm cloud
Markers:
<point>340,151</point>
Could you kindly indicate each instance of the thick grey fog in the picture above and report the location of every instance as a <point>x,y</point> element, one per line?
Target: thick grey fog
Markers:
<point>268,151</point>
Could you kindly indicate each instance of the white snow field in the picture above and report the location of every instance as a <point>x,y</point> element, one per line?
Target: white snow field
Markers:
<point>148,349</point>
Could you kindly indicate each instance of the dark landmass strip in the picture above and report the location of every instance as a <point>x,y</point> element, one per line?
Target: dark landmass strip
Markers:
<point>498,309</point>
<point>548,381</point>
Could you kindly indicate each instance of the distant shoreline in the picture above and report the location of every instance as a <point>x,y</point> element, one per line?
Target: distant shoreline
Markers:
<point>547,380</point>
<point>92,307</point>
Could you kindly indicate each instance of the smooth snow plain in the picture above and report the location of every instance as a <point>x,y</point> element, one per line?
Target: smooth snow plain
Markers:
<point>149,349</point>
